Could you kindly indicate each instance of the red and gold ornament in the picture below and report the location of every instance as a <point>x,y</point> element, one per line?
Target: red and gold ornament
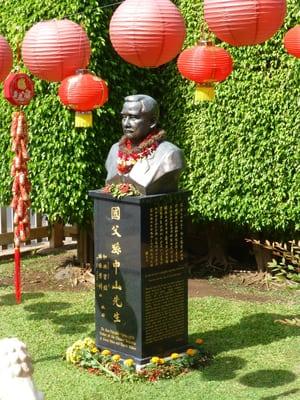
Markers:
<point>83,93</point>
<point>18,89</point>
<point>205,64</point>
<point>20,190</point>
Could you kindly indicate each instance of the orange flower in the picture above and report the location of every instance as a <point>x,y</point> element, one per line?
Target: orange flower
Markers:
<point>191,352</point>
<point>199,341</point>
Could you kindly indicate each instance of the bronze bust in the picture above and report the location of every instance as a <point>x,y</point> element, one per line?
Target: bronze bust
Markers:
<point>143,157</point>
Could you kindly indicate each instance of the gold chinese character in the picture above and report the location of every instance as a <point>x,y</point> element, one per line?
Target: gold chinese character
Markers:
<point>116,317</point>
<point>105,266</point>
<point>101,256</point>
<point>100,275</point>
<point>105,288</point>
<point>116,286</point>
<point>117,302</point>
<point>115,213</point>
<point>115,231</point>
<point>116,248</point>
<point>102,307</point>
<point>105,277</point>
<point>116,266</point>
<point>103,315</point>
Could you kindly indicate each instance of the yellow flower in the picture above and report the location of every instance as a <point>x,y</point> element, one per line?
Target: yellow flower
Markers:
<point>199,341</point>
<point>89,342</point>
<point>94,350</point>
<point>129,362</point>
<point>116,358</point>
<point>174,356</point>
<point>191,352</point>
<point>155,360</point>
<point>105,353</point>
<point>161,361</point>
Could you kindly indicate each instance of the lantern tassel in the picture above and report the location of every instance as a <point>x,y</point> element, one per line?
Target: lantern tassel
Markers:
<point>204,93</point>
<point>83,119</point>
<point>17,275</point>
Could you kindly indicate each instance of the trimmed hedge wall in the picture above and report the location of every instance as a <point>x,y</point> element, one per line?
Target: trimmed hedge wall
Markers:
<point>243,149</point>
<point>67,162</point>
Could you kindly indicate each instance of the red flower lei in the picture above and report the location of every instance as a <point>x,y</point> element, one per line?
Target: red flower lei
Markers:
<point>128,154</point>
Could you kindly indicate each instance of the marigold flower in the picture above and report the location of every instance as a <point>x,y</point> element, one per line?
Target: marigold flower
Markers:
<point>174,356</point>
<point>161,361</point>
<point>155,360</point>
<point>116,357</point>
<point>191,352</point>
<point>199,341</point>
<point>105,353</point>
<point>129,362</point>
<point>94,350</point>
<point>89,342</point>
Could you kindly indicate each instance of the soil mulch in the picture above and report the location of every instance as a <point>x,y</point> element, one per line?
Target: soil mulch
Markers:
<point>60,272</point>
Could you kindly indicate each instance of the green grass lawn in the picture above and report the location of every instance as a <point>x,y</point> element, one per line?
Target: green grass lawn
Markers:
<point>254,357</point>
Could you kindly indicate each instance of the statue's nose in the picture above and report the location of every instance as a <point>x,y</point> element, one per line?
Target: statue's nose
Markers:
<point>126,121</point>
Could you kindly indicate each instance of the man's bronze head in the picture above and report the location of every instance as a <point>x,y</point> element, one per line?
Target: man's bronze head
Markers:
<point>140,114</point>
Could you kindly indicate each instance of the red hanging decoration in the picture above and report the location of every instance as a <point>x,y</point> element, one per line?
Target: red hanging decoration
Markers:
<point>147,33</point>
<point>6,58</point>
<point>53,50</point>
<point>205,64</point>
<point>292,41</point>
<point>83,93</point>
<point>244,22</point>
<point>20,189</point>
<point>18,89</point>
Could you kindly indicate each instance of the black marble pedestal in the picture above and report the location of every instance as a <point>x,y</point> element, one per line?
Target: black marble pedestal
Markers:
<point>141,283</point>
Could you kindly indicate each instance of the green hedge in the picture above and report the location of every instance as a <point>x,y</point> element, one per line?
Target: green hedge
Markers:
<point>243,149</point>
<point>67,162</point>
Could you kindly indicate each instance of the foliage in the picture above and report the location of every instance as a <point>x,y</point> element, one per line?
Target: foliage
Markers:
<point>243,149</point>
<point>286,273</point>
<point>66,163</point>
<point>84,353</point>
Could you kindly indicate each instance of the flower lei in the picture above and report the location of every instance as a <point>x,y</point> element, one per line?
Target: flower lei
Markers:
<point>120,190</point>
<point>129,154</point>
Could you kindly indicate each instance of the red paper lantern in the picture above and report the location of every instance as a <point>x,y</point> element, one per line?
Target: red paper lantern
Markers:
<point>18,89</point>
<point>205,64</point>
<point>244,22</point>
<point>292,41</point>
<point>53,50</point>
<point>6,58</point>
<point>83,92</point>
<point>147,33</point>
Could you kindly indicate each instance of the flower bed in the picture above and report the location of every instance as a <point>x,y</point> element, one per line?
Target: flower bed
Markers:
<point>85,354</point>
